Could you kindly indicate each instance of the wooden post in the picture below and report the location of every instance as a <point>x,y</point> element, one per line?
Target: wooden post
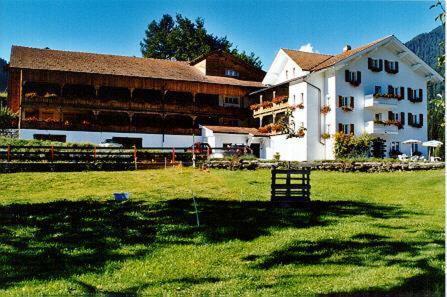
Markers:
<point>135,156</point>
<point>8,153</point>
<point>165,162</point>
<point>52,153</point>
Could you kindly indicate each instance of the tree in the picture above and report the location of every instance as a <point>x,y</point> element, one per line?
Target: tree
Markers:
<point>185,40</point>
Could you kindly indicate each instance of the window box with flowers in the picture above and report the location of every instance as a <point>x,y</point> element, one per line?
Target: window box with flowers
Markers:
<point>267,104</point>
<point>255,107</point>
<point>280,99</point>
<point>297,106</point>
<point>347,108</point>
<point>325,109</point>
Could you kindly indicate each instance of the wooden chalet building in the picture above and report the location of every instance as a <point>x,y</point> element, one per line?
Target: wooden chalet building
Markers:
<point>73,96</point>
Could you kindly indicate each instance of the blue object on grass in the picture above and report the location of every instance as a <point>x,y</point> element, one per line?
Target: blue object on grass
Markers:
<point>121,196</point>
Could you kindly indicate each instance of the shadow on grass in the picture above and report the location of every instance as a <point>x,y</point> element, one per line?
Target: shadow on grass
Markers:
<point>66,238</point>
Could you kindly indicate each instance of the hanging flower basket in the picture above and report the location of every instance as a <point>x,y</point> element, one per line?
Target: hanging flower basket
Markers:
<point>325,136</point>
<point>325,109</point>
<point>301,132</point>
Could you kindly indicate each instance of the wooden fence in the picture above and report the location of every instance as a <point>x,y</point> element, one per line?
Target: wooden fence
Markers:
<point>93,154</point>
<point>290,185</point>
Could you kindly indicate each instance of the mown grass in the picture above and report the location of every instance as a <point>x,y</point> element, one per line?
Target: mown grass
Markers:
<point>60,233</point>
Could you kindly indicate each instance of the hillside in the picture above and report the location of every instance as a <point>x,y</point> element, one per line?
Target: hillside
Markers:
<point>3,75</point>
<point>426,46</point>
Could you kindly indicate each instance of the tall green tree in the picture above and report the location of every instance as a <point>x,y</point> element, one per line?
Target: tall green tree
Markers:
<point>184,40</point>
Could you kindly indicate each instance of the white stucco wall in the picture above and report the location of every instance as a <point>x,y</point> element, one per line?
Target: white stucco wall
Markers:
<point>149,140</point>
<point>406,77</point>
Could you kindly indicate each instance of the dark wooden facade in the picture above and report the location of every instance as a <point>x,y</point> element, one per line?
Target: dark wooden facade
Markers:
<point>49,99</point>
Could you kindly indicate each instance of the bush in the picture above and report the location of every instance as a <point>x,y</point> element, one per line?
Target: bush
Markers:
<point>248,157</point>
<point>7,118</point>
<point>276,156</point>
<point>351,146</point>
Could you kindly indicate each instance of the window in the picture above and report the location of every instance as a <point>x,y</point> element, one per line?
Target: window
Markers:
<point>346,128</point>
<point>391,66</point>
<point>231,101</point>
<point>396,116</point>
<point>414,148</point>
<point>294,99</point>
<point>51,137</point>
<point>293,71</point>
<point>395,146</point>
<point>231,72</point>
<point>353,77</point>
<point>378,117</point>
<point>377,90</point>
<point>302,98</point>
<point>346,102</point>
<point>375,65</point>
<point>287,74</point>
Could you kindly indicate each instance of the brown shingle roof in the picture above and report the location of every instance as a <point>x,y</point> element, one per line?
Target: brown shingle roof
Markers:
<point>46,59</point>
<point>306,60</point>
<point>315,62</point>
<point>236,130</point>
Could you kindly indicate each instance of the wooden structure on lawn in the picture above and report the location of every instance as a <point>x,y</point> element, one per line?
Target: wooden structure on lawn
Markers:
<point>290,185</point>
<point>74,91</point>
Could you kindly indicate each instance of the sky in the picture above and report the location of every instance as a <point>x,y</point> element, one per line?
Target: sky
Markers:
<point>117,27</point>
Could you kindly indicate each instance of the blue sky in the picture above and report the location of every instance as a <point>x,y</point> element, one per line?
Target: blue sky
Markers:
<point>117,27</point>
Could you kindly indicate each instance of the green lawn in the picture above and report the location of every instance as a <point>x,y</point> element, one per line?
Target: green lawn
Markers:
<point>61,233</point>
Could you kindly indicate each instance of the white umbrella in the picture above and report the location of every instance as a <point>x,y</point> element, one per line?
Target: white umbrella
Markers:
<point>411,141</point>
<point>432,143</point>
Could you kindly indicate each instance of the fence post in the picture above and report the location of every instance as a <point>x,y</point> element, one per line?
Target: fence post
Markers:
<point>94,153</point>
<point>135,155</point>
<point>52,153</point>
<point>8,153</point>
<point>165,162</point>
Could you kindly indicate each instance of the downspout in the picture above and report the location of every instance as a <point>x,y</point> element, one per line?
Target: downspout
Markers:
<point>319,108</point>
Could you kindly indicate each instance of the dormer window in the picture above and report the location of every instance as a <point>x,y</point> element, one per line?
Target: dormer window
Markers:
<point>231,72</point>
<point>391,66</point>
<point>353,77</point>
<point>375,65</point>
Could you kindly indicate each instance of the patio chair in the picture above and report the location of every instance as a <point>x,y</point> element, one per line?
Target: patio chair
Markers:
<point>402,157</point>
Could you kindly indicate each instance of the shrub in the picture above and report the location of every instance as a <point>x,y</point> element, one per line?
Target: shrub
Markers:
<point>7,118</point>
<point>351,146</point>
<point>248,157</point>
<point>276,156</point>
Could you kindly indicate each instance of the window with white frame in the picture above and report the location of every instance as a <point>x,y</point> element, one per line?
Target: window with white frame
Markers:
<point>231,72</point>
<point>396,116</point>
<point>414,147</point>
<point>231,101</point>
<point>302,98</point>
<point>346,101</point>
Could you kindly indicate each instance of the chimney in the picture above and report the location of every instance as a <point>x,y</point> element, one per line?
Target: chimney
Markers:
<point>347,48</point>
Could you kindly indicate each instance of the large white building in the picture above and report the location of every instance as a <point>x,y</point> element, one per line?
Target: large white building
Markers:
<point>378,89</point>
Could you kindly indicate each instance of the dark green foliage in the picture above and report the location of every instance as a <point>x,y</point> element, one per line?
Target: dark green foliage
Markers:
<point>351,146</point>
<point>183,39</point>
<point>7,118</point>
<point>427,47</point>
<point>3,75</point>
<point>430,47</point>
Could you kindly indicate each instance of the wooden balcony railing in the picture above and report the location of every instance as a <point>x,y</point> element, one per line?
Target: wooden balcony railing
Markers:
<point>113,105</point>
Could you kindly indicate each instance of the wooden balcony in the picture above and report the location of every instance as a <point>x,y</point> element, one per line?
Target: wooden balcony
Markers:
<point>132,106</point>
<point>268,110</point>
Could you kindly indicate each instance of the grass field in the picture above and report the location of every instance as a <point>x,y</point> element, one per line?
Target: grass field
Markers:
<point>364,233</point>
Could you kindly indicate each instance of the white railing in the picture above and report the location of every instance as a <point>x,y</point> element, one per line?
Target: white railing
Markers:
<point>377,128</point>
<point>380,102</point>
